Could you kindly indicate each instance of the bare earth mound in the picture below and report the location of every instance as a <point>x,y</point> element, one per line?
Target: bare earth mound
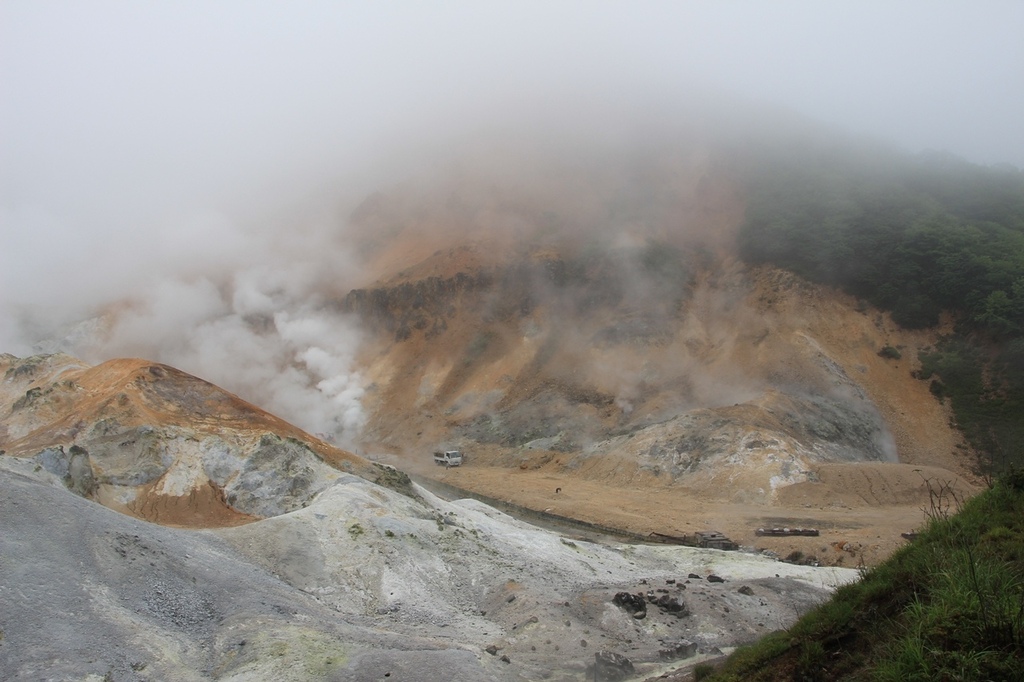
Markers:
<point>159,444</point>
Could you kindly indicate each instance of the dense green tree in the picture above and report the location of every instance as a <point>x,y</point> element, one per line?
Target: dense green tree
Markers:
<point>915,235</point>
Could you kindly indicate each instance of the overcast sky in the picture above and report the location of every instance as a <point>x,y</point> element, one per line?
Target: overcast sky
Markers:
<point>186,100</point>
<point>131,125</point>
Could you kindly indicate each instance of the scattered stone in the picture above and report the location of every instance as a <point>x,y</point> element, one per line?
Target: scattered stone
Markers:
<point>684,648</point>
<point>632,603</point>
<point>746,590</point>
<point>609,666</point>
<point>715,579</point>
<point>504,659</point>
<point>672,605</point>
<point>492,650</point>
<point>694,576</point>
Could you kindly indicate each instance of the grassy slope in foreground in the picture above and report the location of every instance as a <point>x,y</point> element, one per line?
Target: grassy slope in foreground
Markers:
<point>949,606</point>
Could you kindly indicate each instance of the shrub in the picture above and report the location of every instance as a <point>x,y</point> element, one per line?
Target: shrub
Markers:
<point>890,353</point>
<point>702,671</point>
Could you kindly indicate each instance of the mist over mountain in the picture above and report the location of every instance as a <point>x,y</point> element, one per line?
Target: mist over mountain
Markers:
<point>657,269</point>
<point>198,191</point>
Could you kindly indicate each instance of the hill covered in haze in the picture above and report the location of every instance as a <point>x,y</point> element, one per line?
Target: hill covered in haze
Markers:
<point>607,330</point>
<point>594,317</point>
<point>594,313</point>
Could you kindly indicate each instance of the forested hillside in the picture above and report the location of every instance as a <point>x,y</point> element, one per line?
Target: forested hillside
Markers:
<point>915,235</point>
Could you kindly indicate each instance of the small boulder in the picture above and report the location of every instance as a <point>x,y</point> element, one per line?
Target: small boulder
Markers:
<point>609,666</point>
<point>632,603</point>
<point>684,648</point>
<point>672,605</point>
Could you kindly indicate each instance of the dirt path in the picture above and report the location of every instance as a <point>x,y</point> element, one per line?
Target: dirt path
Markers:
<point>850,533</point>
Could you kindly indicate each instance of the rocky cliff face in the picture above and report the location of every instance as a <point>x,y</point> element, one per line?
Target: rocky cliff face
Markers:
<point>673,363</point>
<point>592,329</point>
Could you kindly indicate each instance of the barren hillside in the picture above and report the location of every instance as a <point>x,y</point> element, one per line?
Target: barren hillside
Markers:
<point>161,445</point>
<point>258,552</point>
<point>592,331</point>
<point>586,334</point>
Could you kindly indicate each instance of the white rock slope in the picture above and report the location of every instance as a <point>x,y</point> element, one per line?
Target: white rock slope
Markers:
<point>363,584</point>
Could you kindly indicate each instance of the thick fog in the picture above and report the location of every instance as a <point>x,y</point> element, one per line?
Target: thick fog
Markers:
<point>186,169</point>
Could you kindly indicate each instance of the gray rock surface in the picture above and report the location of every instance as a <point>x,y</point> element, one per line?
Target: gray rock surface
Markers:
<point>365,583</point>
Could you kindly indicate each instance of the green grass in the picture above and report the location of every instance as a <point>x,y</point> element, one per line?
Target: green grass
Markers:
<point>949,606</point>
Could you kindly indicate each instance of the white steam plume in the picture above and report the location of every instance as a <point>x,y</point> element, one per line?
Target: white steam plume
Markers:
<point>249,312</point>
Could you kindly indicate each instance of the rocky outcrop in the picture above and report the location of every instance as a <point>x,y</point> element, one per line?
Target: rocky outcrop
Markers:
<point>424,305</point>
<point>579,285</point>
<point>73,468</point>
<point>157,443</point>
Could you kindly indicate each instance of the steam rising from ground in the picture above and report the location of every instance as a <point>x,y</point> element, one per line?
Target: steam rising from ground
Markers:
<point>264,331</point>
<point>154,155</point>
<point>245,307</point>
<point>277,346</point>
